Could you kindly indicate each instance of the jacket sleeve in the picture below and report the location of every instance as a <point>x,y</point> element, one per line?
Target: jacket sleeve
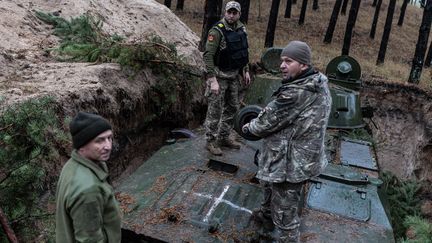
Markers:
<point>212,45</point>
<point>281,112</point>
<point>86,212</point>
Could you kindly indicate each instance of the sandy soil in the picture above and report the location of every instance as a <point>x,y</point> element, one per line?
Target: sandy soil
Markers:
<point>27,70</point>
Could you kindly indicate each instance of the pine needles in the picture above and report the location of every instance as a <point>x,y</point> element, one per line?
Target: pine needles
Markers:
<point>82,39</point>
<point>29,132</point>
<point>403,199</point>
<point>420,231</point>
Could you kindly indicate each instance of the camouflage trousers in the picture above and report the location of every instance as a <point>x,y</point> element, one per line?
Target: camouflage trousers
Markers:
<point>281,203</point>
<point>221,109</point>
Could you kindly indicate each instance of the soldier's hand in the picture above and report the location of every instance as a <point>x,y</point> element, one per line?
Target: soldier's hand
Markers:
<point>214,85</point>
<point>245,128</point>
<point>246,78</point>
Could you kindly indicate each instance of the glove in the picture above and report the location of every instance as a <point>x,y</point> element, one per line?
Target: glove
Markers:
<point>214,85</point>
<point>245,128</point>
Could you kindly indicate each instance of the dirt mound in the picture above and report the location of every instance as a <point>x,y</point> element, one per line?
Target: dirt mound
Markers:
<point>27,70</point>
<point>402,127</point>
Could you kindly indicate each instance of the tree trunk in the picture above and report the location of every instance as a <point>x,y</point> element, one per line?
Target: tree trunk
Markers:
<point>180,5</point>
<point>374,3</point>
<point>315,5</point>
<point>288,9</point>
<point>271,27</point>
<point>6,228</point>
<point>244,10</point>
<point>219,8</point>
<point>386,33</point>
<point>429,57</point>
<point>402,13</point>
<point>211,16</point>
<point>294,1</point>
<point>303,12</point>
<point>375,19</point>
<point>167,3</point>
<point>421,46</point>
<point>350,26</point>
<point>344,7</point>
<point>333,20</point>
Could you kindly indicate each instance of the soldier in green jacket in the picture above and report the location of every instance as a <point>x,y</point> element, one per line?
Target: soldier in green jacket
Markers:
<point>226,59</point>
<point>87,210</point>
<point>293,128</point>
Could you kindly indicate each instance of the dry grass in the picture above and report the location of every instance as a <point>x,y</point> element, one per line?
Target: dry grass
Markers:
<point>400,50</point>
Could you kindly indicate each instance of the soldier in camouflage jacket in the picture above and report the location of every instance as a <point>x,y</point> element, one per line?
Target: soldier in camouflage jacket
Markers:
<point>293,126</point>
<point>226,59</point>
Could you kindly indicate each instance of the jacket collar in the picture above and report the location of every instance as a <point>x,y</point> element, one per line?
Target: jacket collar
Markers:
<point>308,80</point>
<point>309,71</point>
<point>100,171</point>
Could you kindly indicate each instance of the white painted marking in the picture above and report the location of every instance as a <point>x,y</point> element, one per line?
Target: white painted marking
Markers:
<point>218,201</point>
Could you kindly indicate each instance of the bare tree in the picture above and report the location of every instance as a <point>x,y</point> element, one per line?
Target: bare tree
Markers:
<point>375,19</point>
<point>212,11</point>
<point>352,18</point>
<point>421,46</point>
<point>303,12</point>
<point>271,27</point>
<point>386,33</point>
<point>333,20</point>
<point>180,4</point>
<point>344,7</point>
<point>428,60</point>
<point>167,3</point>
<point>402,12</point>
<point>288,9</point>
<point>245,4</point>
<point>294,1</point>
<point>315,5</point>
<point>374,3</point>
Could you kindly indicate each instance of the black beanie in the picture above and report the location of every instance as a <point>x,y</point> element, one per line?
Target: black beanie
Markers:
<point>299,51</point>
<point>86,126</point>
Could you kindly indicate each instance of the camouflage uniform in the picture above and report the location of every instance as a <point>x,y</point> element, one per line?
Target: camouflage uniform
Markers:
<point>223,106</point>
<point>293,126</point>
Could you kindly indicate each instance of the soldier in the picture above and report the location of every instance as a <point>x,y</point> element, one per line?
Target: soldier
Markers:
<point>87,210</point>
<point>293,126</point>
<point>226,59</point>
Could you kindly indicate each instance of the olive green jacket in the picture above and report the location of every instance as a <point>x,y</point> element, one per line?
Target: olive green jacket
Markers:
<point>87,210</point>
<point>216,41</point>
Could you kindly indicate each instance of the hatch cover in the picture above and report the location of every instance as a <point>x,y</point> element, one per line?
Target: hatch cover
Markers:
<point>347,201</point>
<point>357,153</point>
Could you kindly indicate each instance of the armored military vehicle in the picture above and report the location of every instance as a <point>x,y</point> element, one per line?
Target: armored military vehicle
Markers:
<point>183,194</point>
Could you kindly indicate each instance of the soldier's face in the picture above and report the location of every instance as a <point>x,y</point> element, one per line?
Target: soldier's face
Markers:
<point>291,68</point>
<point>98,149</point>
<point>232,16</point>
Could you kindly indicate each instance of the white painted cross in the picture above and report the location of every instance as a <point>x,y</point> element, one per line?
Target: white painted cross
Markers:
<point>219,200</point>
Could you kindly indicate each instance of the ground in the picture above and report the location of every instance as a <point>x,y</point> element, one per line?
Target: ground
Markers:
<point>402,124</point>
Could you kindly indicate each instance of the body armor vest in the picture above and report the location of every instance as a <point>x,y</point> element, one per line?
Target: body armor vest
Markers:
<point>235,55</point>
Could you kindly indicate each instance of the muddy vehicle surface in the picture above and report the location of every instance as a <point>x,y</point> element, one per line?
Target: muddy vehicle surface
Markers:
<point>183,194</point>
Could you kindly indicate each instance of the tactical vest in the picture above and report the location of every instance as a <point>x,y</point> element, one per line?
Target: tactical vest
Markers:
<point>235,55</point>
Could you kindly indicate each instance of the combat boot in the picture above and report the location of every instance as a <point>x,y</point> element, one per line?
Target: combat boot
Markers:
<point>214,148</point>
<point>229,143</point>
<point>265,221</point>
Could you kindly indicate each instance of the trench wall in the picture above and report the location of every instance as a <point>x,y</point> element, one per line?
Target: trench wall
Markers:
<point>402,128</point>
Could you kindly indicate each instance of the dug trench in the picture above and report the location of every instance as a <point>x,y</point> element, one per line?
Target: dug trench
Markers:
<point>142,114</point>
<point>401,126</point>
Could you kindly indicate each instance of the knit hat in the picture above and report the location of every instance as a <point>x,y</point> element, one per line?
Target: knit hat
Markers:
<point>86,126</point>
<point>233,4</point>
<point>299,51</point>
